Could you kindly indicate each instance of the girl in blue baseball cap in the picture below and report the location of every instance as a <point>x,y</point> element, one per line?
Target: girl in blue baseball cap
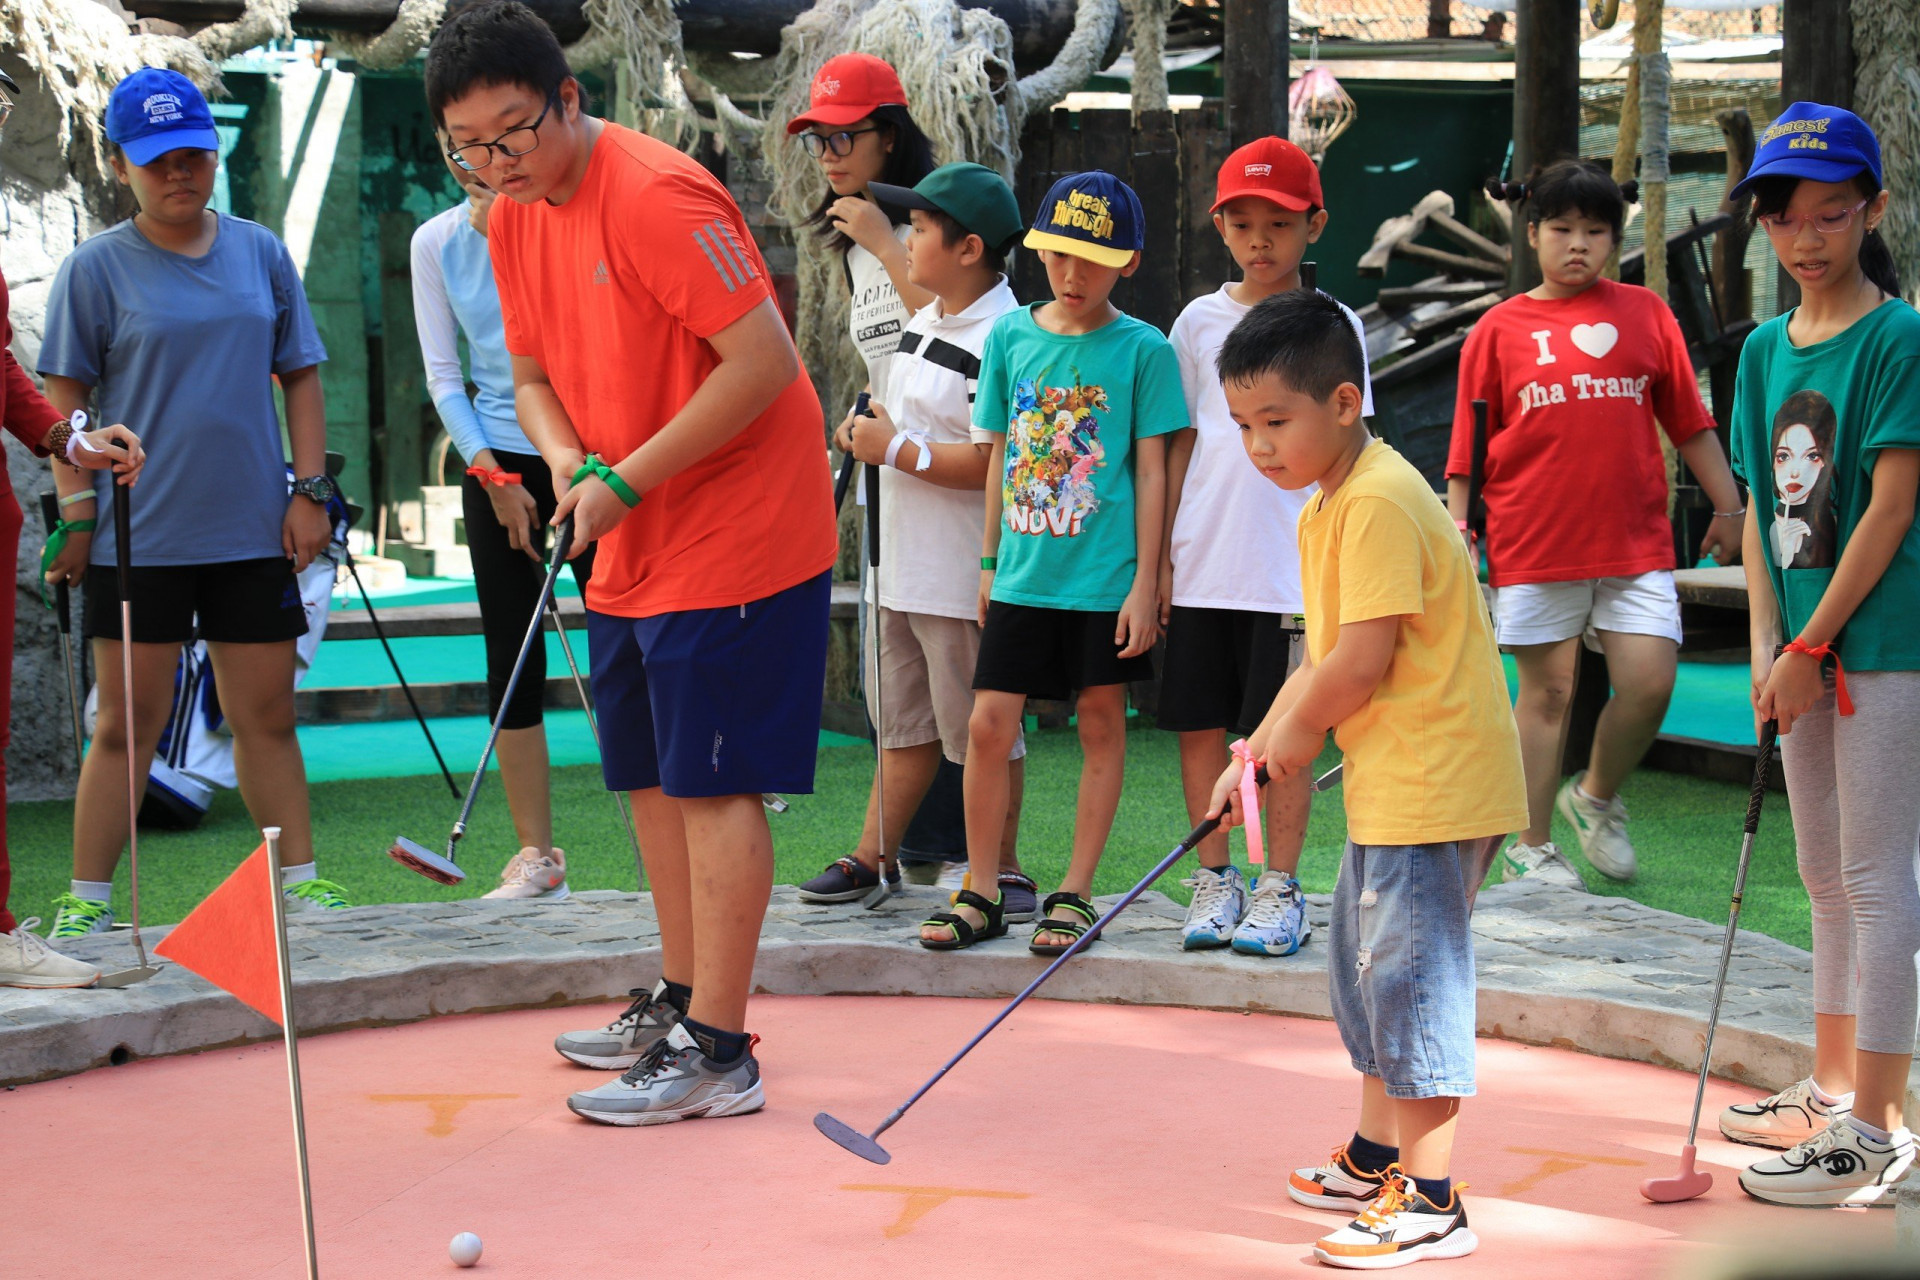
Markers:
<point>178,321</point>
<point>1826,435</point>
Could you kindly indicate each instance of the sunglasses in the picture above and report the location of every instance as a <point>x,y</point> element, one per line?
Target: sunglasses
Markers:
<point>1828,222</point>
<point>841,143</point>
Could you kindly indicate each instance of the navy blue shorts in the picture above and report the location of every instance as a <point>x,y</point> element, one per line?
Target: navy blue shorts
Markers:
<point>713,702</point>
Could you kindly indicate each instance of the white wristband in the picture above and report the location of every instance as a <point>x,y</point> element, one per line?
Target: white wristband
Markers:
<point>893,449</point>
<point>78,442</point>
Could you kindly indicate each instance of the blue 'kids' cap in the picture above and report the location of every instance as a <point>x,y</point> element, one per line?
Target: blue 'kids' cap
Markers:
<point>154,111</point>
<point>1093,216</point>
<point>1826,144</point>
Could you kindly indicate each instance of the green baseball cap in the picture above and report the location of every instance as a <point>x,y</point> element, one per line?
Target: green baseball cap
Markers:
<point>971,194</point>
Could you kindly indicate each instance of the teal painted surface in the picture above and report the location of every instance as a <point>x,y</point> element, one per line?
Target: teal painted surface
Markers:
<point>349,664</point>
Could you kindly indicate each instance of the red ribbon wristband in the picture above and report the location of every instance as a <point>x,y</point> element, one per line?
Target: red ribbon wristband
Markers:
<point>494,476</point>
<point>1819,653</point>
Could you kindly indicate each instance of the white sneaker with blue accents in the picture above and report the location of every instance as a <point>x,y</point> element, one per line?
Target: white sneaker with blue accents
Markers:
<point>1219,898</point>
<point>1276,919</point>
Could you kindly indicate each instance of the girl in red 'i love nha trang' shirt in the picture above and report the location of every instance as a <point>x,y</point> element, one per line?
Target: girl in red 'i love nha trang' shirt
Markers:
<point>1580,374</point>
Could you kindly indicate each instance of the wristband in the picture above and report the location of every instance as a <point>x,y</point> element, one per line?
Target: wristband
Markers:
<point>989,562</point>
<point>1819,653</point>
<point>56,543</point>
<point>78,441</point>
<point>85,495</point>
<point>494,476</point>
<point>893,449</point>
<point>1728,515</point>
<point>593,466</point>
<point>1250,803</point>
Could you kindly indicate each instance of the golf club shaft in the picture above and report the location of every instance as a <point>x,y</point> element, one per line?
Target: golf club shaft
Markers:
<point>844,481</point>
<point>1754,800</point>
<point>1477,479</point>
<point>123,568</point>
<point>593,727</point>
<point>873,629</point>
<point>63,614</point>
<point>562,542</point>
<point>1179,851</point>
<point>405,688</point>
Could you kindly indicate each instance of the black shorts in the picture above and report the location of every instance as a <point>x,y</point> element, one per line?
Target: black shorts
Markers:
<point>1052,653</point>
<point>1224,667</point>
<point>237,602</point>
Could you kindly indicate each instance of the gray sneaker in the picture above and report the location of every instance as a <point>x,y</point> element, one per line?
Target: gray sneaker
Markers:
<point>672,1081</point>
<point>620,1043</point>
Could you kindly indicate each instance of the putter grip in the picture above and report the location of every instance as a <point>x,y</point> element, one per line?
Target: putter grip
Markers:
<point>844,480</point>
<point>123,538</point>
<point>1310,275</point>
<point>50,516</point>
<point>563,539</point>
<point>1761,765</point>
<point>1477,472</point>
<point>873,493</point>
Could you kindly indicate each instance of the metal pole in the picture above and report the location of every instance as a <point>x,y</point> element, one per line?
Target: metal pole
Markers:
<point>292,1037</point>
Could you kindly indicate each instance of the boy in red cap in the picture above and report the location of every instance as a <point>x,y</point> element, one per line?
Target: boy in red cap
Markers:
<point>1232,616</point>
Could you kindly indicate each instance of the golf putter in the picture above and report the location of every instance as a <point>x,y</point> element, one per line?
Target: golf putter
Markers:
<point>881,891</point>
<point>63,611</point>
<point>1690,1182</point>
<point>405,688</point>
<point>867,1145</point>
<point>445,869</point>
<point>1331,778</point>
<point>593,727</point>
<point>1476,482</point>
<point>123,551</point>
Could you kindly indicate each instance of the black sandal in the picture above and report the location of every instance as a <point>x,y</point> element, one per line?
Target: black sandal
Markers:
<point>964,934</point>
<point>1047,924</point>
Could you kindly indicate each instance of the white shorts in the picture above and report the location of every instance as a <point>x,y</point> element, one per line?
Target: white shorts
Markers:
<point>1547,612</point>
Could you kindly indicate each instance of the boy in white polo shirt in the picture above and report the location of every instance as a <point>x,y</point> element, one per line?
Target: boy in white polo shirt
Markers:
<point>1230,582</point>
<point>932,505</point>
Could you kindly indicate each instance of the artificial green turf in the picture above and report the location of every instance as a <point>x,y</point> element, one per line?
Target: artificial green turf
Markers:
<point>1687,831</point>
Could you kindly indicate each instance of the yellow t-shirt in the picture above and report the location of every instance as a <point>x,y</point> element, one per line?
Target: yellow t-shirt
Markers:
<point>1434,755</point>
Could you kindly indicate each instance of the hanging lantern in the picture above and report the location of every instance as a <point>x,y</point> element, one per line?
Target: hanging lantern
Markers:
<point>1318,111</point>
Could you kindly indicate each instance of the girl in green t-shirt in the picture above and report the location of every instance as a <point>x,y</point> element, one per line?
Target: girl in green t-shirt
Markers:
<point>1826,436</point>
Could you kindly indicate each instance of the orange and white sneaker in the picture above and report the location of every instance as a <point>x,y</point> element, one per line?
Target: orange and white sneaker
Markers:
<point>1339,1184</point>
<point>533,874</point>
<point>1400,1227</point>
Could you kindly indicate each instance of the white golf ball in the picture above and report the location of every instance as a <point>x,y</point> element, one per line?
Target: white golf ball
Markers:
<point>465,1249</point>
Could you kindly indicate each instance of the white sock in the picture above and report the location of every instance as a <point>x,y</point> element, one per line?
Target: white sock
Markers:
<point>1866,1130</point>
<point>291,876</point>
<point>1583,793</point>
<point>93,890</point>
<point>1826,1099</point>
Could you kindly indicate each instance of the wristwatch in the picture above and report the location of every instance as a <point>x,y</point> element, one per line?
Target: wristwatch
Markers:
<point>320,489</point>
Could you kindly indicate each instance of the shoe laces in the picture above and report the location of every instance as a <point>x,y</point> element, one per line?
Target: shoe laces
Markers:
<point>1396,1194</point>
<point>651,1062</point>
<point>324,894</point>
<point>520,868</point>
<point>1809,1150</point>
<point>1269,906</point>
<point>1210,890</point>
<point>76,913</point>
<point>32,946</point>
<point>643,1005</point>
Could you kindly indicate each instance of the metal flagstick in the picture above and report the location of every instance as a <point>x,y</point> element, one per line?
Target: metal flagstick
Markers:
<point>586,704</point>
<point>292,1038</point>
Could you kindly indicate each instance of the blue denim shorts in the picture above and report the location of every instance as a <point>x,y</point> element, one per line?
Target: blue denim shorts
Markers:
<point>1400,965</point>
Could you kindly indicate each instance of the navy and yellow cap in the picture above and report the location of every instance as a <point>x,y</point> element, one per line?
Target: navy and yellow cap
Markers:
<point>1808,140</point>
<point>1090,215</point>
<point>971,194</point>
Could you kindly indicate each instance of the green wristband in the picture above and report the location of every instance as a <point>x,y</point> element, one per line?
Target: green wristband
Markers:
<point>56,543</point>
<point>609,477</point>
<point>989,562</point>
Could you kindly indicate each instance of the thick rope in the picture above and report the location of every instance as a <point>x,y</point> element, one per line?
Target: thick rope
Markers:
<point>1149,24</point>
<point>409,32</point>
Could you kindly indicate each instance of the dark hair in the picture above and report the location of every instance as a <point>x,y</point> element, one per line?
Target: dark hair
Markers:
<point>994,258</point>
<point>1815,412</point>
<point>1772,195</point>
<point>910,160</point>
<point>1303,337</point>
<point>1571,186</point>
<point>496,42</point>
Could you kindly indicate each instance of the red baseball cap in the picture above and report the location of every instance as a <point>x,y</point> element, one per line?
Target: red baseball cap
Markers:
<point>1271,169</point>
<point>847,88</point>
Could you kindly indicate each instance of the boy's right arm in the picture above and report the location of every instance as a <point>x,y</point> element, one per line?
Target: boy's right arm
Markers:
<point>990,536</point>
<point>1179,456</point>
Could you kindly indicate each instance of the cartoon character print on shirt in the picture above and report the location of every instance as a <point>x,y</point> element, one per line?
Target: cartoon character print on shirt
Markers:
<point>1053,450</point>
<point>1803,533</point>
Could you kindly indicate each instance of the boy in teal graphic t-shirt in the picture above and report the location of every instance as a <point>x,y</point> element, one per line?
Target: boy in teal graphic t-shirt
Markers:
<point>1076,400</point>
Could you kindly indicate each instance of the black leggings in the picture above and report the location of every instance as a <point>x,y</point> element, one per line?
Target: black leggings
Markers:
<point>508,584</point>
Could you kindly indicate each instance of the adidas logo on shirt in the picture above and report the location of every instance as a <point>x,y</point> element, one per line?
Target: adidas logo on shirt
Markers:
<point>600,275</point>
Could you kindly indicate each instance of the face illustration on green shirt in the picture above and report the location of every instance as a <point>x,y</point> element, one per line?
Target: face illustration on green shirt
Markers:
<point>1803,526</point>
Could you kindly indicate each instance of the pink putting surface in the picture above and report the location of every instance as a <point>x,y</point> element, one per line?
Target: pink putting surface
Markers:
<point>1079,1140</point>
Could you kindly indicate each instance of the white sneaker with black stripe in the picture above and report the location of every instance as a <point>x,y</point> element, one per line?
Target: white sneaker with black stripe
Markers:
<point>1339,1184</point>
<point>1839,1166</point>
<point>1786,1119</point>
<point>1400,1227</point>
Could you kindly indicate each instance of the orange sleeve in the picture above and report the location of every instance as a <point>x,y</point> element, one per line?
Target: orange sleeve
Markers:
<point>693,253</point>
<point>506,281</point>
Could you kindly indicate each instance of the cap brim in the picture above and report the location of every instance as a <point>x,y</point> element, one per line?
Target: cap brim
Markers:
<point>1811,167</point>
<point>150,148</point>
<point>833,115</point>
<point>1079,248</point>
<point>7,83</point>
<point>901,197</point>
<point>1295,204</point>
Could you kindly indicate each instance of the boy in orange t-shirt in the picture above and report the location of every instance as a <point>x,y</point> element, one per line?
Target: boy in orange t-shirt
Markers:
<point>653,372</point>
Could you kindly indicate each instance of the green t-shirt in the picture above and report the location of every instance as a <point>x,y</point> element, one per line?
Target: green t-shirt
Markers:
<point>1071,406</point>
<point>1809,423</point>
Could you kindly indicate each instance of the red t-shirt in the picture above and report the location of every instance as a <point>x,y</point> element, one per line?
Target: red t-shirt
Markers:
<point>615,293</point>
<point>23,410</point>
<point>1575,485</point>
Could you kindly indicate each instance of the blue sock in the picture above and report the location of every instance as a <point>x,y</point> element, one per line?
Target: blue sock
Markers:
<point>723,1048</point>
<point>678,994</point>
<point>1370,1157</point>
<point>1438,1191</point>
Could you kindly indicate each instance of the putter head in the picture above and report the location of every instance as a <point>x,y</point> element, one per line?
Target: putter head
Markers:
<point>879,893</point>
<point>126,977</point>
<point>851,1138</point>
<point>417,857</point>
<point>1330,779</point>
<point>1684,1185</point>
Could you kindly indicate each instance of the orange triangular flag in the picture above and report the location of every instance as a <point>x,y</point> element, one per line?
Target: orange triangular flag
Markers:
<point>228,939</point>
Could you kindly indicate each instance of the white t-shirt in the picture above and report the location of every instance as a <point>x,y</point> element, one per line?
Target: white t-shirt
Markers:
<point>1235,542</point>
<point>877,315</point>
<point>930,535</point>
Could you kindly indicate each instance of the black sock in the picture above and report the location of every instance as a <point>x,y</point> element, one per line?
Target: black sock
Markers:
<point>1370,1157</point>
<point>723,1048</point>
<point>678,995</point>
<point>1438,1191</point>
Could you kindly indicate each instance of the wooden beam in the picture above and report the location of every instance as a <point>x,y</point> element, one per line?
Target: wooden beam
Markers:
<point>1546,101</point>
<point>1445,291</point>
<point>1256,73</point>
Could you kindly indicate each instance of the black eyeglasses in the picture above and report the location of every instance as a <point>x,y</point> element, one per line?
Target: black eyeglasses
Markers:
<point>841,143</point>
<point>476,156</point>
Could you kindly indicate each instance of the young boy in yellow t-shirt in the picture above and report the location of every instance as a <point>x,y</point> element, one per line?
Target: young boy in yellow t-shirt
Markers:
<point>1401,668</point>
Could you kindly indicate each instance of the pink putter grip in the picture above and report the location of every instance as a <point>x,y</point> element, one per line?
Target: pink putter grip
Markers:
<point>1250,806</point>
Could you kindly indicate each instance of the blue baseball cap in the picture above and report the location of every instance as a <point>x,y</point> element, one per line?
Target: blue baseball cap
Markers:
<point>154,111</point>
<point>1090,215</point>
<point>1826,144</point>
